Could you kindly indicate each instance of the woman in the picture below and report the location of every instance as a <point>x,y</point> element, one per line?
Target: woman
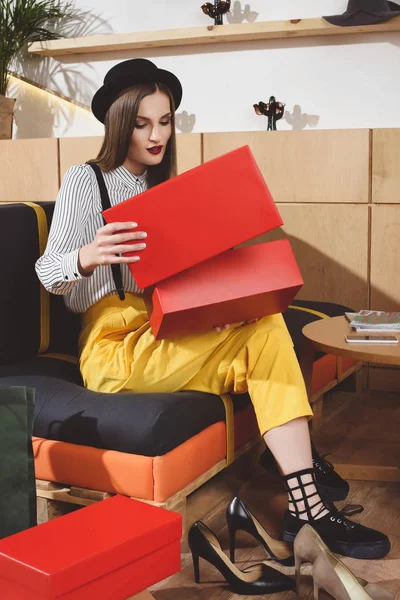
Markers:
<point>84,260</point>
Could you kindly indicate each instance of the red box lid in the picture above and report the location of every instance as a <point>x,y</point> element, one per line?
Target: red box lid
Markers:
<point>198,214</point>
<point>72,550</point>
<point>237,285</point>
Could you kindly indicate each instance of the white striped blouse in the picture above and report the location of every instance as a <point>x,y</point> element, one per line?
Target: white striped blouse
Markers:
<point>77,217</point>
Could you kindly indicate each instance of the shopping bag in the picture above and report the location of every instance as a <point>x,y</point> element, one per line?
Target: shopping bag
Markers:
<point>17,471</point>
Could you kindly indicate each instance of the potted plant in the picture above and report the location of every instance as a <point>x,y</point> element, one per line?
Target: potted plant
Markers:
<point>22,22</point>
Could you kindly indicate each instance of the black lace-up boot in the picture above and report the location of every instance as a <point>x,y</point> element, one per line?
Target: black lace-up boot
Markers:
<point>339,534</point>
<point>330,485</point>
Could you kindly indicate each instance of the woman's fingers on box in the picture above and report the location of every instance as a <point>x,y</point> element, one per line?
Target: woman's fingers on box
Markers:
<point>124,248</point>
<point>219,328</point>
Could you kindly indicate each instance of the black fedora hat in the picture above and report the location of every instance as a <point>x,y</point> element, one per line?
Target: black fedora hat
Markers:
<point>127,74</point>
<point>365,12</point>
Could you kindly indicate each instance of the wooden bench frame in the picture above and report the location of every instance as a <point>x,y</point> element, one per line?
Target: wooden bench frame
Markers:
<point>356,376</point>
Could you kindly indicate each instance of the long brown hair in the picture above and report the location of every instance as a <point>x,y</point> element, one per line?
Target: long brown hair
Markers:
<point>119,125</point>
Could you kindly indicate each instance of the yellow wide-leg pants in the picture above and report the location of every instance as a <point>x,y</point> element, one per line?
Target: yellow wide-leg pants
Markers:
<point>119,354</point>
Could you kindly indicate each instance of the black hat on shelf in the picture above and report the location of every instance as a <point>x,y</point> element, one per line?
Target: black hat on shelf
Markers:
<point>127,74</point>
<point>365,12</point>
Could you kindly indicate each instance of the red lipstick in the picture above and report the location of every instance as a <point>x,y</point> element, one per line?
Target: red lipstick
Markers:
<point>155,149</point>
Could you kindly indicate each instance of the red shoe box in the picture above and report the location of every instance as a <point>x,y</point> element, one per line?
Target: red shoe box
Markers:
<point>198,214</point>
<point>237,285</point>
<point>107,551</point>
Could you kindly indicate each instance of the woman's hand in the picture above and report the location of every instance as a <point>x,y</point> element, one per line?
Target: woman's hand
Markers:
<point>111,241</point>
<point>219,328</point>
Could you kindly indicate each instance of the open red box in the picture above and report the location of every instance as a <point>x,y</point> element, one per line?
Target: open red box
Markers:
<point>237,285</point>
<point>107,551</point>
<point>198,214</point>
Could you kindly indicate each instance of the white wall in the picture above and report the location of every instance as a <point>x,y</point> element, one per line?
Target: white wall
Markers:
<point>326,83</point>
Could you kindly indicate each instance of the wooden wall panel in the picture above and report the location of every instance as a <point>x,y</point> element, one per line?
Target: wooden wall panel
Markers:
<point>305,166</point>
<point>189,150</point>
<point>385,250</point>
<point>330,243</point>
<point>77,150</point>
<point>347,250</point>
<point>74,151</point>
<point>28,170</point>
<point>386,166</point>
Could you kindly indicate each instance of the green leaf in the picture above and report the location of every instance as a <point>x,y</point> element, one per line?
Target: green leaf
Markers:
<point>26,21</point>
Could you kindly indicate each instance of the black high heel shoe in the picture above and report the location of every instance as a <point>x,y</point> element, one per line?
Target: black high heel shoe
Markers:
<point>239,518</point>
<point>252,581</point>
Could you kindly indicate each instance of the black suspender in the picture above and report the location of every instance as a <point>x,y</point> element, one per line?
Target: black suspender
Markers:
<point>105,203</point>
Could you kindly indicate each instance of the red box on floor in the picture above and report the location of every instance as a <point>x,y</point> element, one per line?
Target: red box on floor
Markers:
<point>237,285</point>
<point>107,551</point>
<point>198,214</point>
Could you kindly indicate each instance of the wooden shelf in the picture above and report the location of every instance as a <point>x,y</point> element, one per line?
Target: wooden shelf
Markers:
<point>267,30</point>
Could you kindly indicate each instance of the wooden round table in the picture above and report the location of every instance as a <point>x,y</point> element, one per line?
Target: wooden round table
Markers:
<point>328,335</point>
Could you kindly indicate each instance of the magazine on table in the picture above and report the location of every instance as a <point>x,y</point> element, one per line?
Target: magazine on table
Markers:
<point>369,321</point>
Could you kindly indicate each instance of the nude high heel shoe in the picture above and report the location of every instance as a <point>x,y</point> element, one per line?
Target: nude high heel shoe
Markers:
<point>331,575</point>
<point>308,544</point>
<point>308,547</point>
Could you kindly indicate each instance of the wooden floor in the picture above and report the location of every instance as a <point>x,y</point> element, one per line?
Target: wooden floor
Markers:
<point>356,428</point>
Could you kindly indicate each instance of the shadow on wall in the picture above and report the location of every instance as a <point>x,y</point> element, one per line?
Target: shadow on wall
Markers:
<point>327,280</point>
<point>299,120</point>
<point>185,122</point>
<point>238,15</point>
<point>35,114</point>
<point>38,112</point>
